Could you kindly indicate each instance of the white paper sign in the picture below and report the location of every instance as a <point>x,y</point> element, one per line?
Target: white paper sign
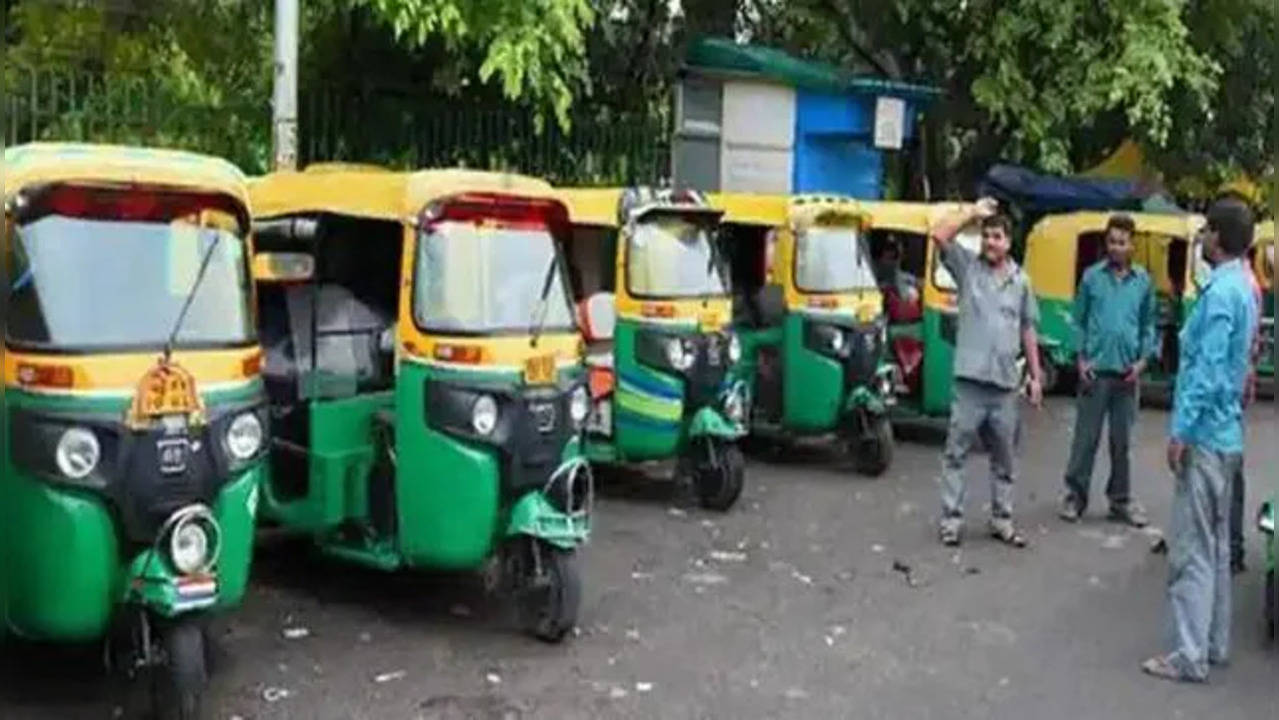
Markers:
<point>890,122</point>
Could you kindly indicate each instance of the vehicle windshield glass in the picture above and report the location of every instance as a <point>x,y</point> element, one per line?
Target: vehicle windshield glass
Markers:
<point>832,258</point>
<point>487,279</point>
<point>969,237</point>
<point>671,256</point>
<point>89,283</point>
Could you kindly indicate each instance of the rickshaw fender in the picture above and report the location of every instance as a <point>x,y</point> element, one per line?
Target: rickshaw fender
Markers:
<point>534,516</point>
<point>862,398</point>
<point>711,422</point>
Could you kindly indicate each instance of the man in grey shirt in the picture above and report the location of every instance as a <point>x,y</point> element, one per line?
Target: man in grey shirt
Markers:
<point>997,317</point>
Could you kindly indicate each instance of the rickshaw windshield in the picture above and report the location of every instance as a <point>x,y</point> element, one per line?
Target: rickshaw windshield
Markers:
<point>671,256</point>
<point>86,283</point>
<point>969,238</point>
<point>481,279</point>
<point>832,258</point>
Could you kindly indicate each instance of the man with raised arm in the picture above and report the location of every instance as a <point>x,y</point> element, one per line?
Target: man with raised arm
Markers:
<point>997,318</point>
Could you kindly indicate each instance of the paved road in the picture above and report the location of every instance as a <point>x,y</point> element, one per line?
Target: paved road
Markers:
<point>788,607</point>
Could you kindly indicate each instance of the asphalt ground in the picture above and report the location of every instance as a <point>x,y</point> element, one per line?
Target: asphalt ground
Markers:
<point>822,595</point>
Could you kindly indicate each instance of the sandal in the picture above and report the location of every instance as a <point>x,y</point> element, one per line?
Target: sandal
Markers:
<point>950,535</point>
<point>1004,531</point>
<point>1161,666</point>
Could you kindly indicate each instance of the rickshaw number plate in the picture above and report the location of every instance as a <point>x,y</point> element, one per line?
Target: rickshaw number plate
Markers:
<point>709,321</point>
<point>539,370</point>
<point>172,454</point>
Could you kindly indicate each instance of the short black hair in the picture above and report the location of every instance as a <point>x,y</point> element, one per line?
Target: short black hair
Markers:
<point>998,220</point>
<point>1232,219</point>
<point>1122,222</point>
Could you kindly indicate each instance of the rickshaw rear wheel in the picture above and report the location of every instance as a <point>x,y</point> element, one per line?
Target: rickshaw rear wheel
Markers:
<point>720,476</point>
<point>549,590</point>
<point>178,684</point>
<point>872,449</point>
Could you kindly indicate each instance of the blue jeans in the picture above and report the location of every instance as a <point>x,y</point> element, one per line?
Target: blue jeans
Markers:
<point>1198,621</point>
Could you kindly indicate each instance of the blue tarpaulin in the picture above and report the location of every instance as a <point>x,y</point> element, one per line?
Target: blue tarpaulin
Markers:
<point>1037,194</point>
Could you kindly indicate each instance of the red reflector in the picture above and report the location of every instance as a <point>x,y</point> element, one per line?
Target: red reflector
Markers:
<point>59,376</point>
<point>469,354</point>
<point>251,365</point>
<point>503,210</point>
<point>658,310</point>
<point>135,203</point>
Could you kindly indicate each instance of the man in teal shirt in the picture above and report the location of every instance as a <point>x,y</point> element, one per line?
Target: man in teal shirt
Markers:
<point>1115,319</point>
<point>1205,449</point>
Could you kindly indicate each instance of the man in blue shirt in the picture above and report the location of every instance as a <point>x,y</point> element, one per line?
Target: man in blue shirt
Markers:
<point>1115,321</point>
<point>1205,449</point>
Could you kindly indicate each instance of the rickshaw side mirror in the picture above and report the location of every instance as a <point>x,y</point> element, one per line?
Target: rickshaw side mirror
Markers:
<point>283,267</point>
<point>599,316</point>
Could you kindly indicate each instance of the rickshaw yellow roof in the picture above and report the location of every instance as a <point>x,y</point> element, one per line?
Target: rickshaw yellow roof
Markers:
<point>749,209</point>
<point>35,163</point>
<point>1069,226</point>
<point>427,186</point>
<point>375,195</point>
<point>912,217</point>
<point>1265,232</point>
<point>591,206</point>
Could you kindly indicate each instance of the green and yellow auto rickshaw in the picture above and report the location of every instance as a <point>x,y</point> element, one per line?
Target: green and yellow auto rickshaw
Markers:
<point>1059,248</point>
<point>1263,265</point>
<point>810,319</point>
<point>920,305</point>
<point>134,412</point>
<point>425,378</point>
<point>656,312</point>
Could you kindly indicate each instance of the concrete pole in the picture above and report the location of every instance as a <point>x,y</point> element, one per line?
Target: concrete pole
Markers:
<point>285,104</point>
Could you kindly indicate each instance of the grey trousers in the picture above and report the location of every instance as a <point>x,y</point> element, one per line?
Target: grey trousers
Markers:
<point>987,414</point>
<point>1110,400</point>
<point>1198,622</point>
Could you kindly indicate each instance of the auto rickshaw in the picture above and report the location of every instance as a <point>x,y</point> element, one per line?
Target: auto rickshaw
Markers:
<point>424,373</point>
<point>810,319</point>
<point>134,410</point>
<point>1059,248</point>
<point>656,315</point>
<point>1263,264</point>
<point>920,305</point>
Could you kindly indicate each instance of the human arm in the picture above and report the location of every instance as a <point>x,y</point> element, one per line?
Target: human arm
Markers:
<point>1206,377</point>
<point>1082,308</point>
<point>1030,343</point>
<point>1146,315</point>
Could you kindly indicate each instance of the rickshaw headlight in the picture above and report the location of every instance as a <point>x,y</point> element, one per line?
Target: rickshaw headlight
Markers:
<point>678,355</point>
<point>579,405</point>
<point>484,414</point>
<point>834,338</point>
<point>244,436</point>
<point>734,349</point>
<point>190,545</point>
<point>77,453</point>
<point>735,405</point>
<point>1266,519</point>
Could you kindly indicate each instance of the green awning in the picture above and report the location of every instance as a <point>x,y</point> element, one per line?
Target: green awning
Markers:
<point>715,54</point>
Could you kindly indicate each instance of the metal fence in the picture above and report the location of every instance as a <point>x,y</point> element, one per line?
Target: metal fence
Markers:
<point>393,127</point>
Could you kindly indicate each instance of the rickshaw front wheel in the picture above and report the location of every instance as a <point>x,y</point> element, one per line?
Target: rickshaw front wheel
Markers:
<point>178,684</point>
<point>549,590</point>
<point>720,476</point>
<point>872,448</point>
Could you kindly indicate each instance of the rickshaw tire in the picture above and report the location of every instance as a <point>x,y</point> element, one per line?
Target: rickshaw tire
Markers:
<point>178,685</point>
<point>556,616</point>
<point>1052,375</point>
<point>1271,612</point>
<point>873,453</point>
<point>719,488</point>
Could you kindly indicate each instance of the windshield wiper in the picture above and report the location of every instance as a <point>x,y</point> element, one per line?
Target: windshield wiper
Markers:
<point>539,312</point>
<point>186,304</point>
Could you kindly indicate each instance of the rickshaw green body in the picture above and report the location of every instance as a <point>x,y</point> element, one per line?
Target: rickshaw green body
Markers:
<point>652,419</point>
<point>453,506</point>
<point>68,568</point>
<point>441,523</point>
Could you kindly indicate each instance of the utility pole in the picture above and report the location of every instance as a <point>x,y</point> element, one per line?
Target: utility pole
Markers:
<point>284,125</point>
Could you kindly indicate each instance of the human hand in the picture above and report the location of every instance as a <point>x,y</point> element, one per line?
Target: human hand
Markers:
<point>1035,391</point>
<point>1176,456</point>
<point>1086,372</point>
<point>1135,372</point>
<point>986,207</point>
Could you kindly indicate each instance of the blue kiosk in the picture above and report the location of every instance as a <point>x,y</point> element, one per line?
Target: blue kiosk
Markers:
<point>755,119</point>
